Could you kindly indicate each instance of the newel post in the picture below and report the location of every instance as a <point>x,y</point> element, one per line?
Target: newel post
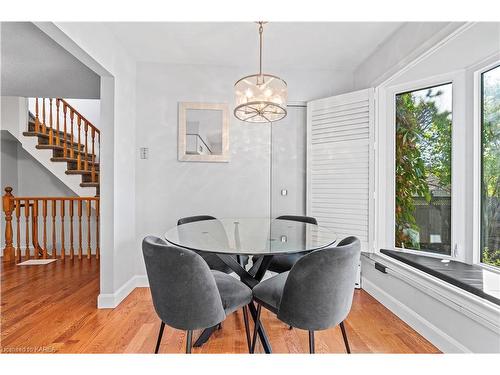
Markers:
<point>8,207</point>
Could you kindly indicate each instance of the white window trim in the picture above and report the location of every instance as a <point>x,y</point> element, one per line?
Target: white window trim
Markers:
<point>478,70</point>
<point>386,168</point>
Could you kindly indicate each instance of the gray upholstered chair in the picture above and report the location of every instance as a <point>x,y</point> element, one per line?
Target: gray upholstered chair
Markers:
<point>187,295</point>
<point>283,263</point>
<point>316,293</point>
<point>213,261</point>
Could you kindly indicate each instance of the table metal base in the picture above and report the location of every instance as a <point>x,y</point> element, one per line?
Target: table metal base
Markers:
<point>249,278</point>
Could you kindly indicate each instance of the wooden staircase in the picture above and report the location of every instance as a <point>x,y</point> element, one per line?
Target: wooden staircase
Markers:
<point>71,137</point>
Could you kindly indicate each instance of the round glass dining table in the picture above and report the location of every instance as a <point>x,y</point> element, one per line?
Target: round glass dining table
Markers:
<point>265,237</point>
<point>250,236</point>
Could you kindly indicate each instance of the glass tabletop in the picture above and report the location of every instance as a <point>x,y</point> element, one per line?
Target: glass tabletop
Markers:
<point>250,236</point>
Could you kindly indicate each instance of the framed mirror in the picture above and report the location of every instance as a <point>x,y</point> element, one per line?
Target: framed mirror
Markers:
<point>203,132</point>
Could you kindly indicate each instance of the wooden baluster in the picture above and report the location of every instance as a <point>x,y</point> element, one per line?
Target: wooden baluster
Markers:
<point>93,156</point>
<point>58,136</point>
<point>18,217</point>
<point>27,223</point>
<point>44,124</point>
<point>97,218</point>
<point>37,119</point>
<point>71,248</point>
<point>78,155</point>
<point>72,146</point>
<point>44,216</point>
<point>51,131</point>
<point>8,207</point>
<point>89,212</point>
<point>54,249</point>
<point>79,229</point>
<point>65,143</point>
<point>34,229</point>
<point>63,249</point>
<point>86,162</point>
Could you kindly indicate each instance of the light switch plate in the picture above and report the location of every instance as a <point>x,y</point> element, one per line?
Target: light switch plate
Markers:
<point>144,152</point>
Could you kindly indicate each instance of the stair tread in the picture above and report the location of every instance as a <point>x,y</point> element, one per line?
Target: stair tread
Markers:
<point>46,135</point>
<point>89,184</point>
<point>38,134</point>
<point>62,159</point>
<point>56,133</point>
<point>55,147</point>
<point>79,171</point>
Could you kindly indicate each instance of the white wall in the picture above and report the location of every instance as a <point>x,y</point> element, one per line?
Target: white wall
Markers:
<point>405,44</point>
<point>167,189</point>
<point>95,46</point>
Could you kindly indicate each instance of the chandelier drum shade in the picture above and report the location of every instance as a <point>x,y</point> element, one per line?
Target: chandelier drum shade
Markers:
<point>261,97</point>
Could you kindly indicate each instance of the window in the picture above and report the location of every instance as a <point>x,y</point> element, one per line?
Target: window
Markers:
<point>423,169</point>
<point>490,167</point>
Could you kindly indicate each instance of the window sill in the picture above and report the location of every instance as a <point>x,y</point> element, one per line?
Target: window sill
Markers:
<point>476,308</point>
<point>471,278</point>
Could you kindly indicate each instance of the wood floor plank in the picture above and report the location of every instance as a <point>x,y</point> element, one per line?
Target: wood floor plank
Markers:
<point>53,307</point>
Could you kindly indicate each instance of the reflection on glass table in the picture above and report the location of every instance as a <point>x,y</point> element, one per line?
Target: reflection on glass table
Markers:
<point>250,236</point>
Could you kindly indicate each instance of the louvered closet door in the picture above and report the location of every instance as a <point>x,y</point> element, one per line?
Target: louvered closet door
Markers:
<point>339,164</point>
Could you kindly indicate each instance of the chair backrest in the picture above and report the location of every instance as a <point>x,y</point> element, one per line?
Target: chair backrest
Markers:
<point>185,295</point>
<point>191,219</point>
<point>319,288</point>
<point>213,261</point>
<point>303,219</point>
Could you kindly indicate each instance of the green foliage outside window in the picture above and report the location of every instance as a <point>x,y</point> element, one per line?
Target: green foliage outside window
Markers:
<point>490,162</point>
<point>422,155</point>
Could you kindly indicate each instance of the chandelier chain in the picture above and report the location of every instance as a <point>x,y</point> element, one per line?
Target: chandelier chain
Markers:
<point>261,31</point>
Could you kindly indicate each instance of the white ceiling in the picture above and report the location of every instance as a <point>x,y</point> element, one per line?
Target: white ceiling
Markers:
<point>318,45</point>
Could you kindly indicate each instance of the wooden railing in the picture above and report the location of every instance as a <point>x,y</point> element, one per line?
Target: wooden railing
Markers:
<point>54,227</point>
<point>70,130</point>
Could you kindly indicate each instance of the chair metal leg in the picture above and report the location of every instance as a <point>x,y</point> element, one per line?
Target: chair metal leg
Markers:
<point>189,339</point>
<point>311,342</point>
<point>247,328</point>
<point>160,334</point>
<point>219,326</point>
<point>344,335</point>
<point>256,328</point>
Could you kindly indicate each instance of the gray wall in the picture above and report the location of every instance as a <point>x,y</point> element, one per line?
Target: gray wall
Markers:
<point>167,189</point>
<point>8,159</point>
<point>32,64</point>
<point>289,163</point>
<point>26,175</point>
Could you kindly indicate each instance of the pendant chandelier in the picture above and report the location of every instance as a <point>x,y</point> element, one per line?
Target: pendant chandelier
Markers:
<point>260,97</point>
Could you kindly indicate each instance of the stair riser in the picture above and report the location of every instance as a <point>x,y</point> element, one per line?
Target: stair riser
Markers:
<point>31,128</point>
<point>72,166</point>
<point>88,178</point>
<point>45,141</point>
<point>60,154</point>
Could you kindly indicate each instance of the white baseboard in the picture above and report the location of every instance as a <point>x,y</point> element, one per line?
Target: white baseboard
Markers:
<point>110,301</point>
<point>437,337</point>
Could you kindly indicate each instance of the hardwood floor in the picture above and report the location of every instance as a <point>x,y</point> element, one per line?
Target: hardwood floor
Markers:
<point>52,308</point>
